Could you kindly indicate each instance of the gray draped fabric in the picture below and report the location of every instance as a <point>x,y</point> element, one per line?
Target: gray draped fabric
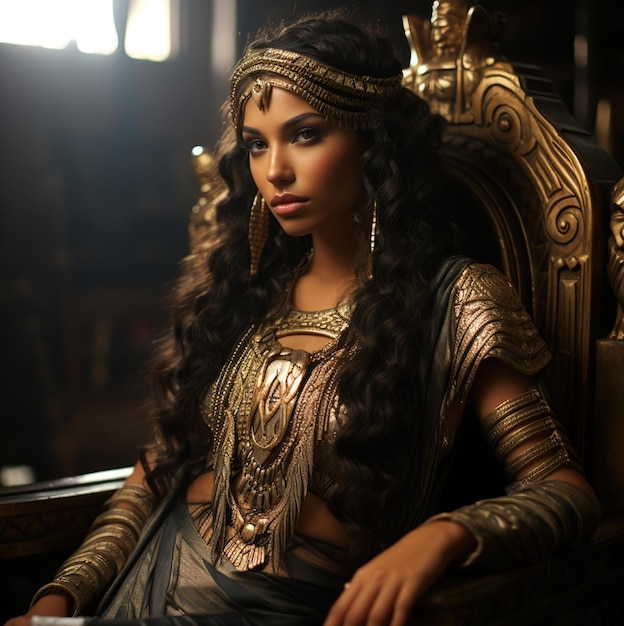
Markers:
<point>173,577</point>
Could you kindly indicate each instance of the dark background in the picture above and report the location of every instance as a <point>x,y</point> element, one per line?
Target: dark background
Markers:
<point>96,188</point>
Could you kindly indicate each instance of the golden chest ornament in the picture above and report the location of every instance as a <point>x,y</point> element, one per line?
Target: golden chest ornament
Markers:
<point>268,408</point>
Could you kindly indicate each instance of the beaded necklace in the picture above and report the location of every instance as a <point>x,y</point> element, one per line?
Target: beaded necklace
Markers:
<point>267,409</point>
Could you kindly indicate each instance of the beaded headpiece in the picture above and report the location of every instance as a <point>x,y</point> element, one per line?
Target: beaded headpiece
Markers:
<point>340,96</point>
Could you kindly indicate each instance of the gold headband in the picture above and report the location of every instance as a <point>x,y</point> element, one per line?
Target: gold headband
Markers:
<point>335,94</point>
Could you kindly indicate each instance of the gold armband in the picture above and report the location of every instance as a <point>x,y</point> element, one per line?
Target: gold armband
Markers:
<point>528,419</point>
<point>529,523</point>
<point>107,546</point>
<point>536,516</point>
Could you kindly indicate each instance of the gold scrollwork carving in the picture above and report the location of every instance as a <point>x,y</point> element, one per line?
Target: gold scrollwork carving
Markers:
<point>564,218</point>
<point>460,42</point>
<point>506,118</point>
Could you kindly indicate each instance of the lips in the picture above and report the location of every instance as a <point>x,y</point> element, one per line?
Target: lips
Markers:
<point>287,203</point>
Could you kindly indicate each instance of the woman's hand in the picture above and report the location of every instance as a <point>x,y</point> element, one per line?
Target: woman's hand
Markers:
<point>53,605</point>
<point>385,590</point>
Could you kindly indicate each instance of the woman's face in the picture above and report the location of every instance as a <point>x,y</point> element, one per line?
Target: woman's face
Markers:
<point>306,168</point>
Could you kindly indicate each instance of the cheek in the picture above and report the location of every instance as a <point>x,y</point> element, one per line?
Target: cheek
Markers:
<point>252,167</point>
<point>337,169</point>
<point>255,170</point>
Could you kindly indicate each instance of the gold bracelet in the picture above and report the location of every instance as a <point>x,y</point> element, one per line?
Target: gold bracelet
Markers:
<point>52,589</point>
<point>135,495</point>
<point>528,419</point>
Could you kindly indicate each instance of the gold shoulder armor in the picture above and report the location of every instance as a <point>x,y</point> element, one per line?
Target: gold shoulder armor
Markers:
<point>490,321</point>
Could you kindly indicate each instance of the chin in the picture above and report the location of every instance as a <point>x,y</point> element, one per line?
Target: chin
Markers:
<point>295,230</point>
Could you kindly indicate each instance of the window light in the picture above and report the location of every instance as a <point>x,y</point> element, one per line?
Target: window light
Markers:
<point>90,24</point>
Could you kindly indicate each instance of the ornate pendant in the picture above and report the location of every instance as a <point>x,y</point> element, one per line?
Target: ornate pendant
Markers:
<point>244,556</point>
<point>275,396</point>
<point>247,548</point>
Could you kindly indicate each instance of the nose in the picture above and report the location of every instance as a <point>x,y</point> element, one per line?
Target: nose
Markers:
<point>280,171</point>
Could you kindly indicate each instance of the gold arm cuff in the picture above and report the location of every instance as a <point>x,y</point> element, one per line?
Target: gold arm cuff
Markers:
<point>560,459</point>
<point>521,420</point>
<point>119,534</point>
<point>135,495</point>
<point>107,555</point>
<point>514,439</point>
<point>88,574</point>
<point>530,523</point>
<point>105,549</point>
<point>56,589</point>
<point>533,453</point>
<point>511,421</point>
<point>126,518</point>
<point>508,407</point>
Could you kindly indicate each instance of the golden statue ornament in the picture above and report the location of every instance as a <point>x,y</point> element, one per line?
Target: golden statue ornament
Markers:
<point>449,54</point>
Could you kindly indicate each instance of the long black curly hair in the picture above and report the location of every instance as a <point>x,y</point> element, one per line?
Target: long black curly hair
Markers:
<point>216,300</point>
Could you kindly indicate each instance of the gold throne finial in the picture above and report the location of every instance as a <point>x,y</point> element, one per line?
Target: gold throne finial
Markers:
<point>449,54</point>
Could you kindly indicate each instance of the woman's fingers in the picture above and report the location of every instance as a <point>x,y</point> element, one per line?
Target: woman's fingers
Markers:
<point>352,605</point>
<point>405,601</point>
<point>382,610</point>
<point>386,601</point>
<point>384,591</point>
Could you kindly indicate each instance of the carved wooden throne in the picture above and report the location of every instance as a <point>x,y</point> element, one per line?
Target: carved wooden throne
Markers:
<point>533,189</point>
<point>532,192</point>
<point>541,181</point>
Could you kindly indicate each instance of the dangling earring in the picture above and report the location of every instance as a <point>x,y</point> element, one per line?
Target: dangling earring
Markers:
<point>258,232</point>
<point>373,237</point>
<point>373,227</point>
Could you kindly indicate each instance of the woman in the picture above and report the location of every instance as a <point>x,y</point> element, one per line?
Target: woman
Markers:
<point>310,391</point>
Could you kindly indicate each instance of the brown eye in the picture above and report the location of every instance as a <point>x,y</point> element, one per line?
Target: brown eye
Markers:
<point>306,135</point>
<point>254,145</point>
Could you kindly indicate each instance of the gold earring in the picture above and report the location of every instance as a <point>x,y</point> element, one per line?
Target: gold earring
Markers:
<point>373,237</point>
<point>373,227</point>
<point>258,232</point>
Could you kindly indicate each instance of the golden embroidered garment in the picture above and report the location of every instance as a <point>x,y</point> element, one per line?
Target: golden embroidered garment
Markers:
<point>274,413</point>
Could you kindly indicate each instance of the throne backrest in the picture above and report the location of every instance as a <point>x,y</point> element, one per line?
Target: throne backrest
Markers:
<point>531,185</point>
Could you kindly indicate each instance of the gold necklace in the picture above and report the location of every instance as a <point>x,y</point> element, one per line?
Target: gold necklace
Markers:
<point>261,433</point>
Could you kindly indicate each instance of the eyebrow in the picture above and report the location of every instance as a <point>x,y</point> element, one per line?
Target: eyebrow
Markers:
<point>288,123</point>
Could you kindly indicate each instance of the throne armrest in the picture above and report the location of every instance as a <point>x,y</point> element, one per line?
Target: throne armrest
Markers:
<point>55,515</point>
<point>582,585</point>
<point>40,525</point>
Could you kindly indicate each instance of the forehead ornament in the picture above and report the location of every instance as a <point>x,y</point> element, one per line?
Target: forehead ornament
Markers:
<point>261,93</point>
